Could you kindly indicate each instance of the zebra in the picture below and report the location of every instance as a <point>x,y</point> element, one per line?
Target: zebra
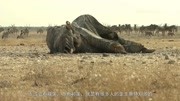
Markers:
<point>5,34</point>
<point>1,29</point>
<point>24,33</point>
<point>148,33</point>
<point>40,30</point>
<point>171,34</point>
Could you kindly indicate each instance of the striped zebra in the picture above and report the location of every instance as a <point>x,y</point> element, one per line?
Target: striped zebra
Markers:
<point>24,33</point>
<point>40,30</point>
<point>148,33</point>
<point>1,29</point>
<point>5,34</point>
<point>171,34</point>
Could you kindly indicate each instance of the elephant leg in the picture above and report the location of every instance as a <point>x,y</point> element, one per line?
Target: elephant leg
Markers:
<point>133,47</point>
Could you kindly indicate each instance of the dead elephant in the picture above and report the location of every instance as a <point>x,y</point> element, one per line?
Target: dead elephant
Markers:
<point>75,39</point>
<point>86,34</point>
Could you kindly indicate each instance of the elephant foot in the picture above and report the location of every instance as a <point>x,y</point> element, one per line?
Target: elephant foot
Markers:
<point>145,50</point>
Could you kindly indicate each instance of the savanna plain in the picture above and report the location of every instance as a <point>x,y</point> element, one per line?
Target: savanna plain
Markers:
<point>29,73</point>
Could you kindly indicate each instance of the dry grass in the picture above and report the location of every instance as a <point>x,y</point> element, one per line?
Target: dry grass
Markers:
<point>28,73</point>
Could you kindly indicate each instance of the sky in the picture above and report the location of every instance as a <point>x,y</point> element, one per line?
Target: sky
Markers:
<point>108,12</point>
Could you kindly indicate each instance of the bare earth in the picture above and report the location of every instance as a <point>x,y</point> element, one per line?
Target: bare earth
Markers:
<point>29,73</point>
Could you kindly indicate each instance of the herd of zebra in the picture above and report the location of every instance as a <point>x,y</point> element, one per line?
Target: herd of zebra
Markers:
<point>18,32</point>
<point>149,30</point>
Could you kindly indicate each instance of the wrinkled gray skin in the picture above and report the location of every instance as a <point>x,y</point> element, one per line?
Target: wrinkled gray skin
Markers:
<point>60,39</point>
<point>88,35</point>
<point>80,40</point>
<point>92,43</point>
<point>90,23</point>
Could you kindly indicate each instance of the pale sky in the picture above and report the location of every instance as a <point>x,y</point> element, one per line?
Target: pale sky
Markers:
<point>110,12</point>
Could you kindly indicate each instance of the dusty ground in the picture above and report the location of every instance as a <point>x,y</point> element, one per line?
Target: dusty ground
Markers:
<point>28,73</point>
